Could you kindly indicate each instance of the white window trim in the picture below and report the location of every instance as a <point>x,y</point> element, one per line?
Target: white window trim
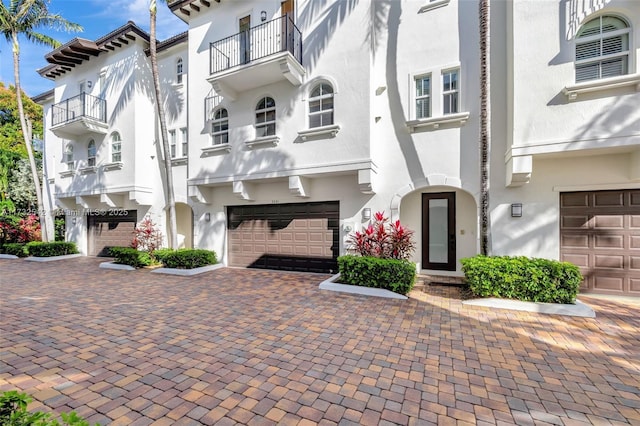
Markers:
<point>414,98</point>
<point>181,161</point>
<point>67,173</point>
<point>213,121</point>
<point>266,123</point>
<point>217,148</point>
<point>601,85</point>
<point>320,98</point>
<point>113,166</point>
<point>433,4</point>
<point>184,142</point>
<point>434,123</point>
<point>263,142</point>
<point>173,150</point>
<point>88,169</point>
<point>458,90</point>
<point>180,74</point>
<point>323,131</point>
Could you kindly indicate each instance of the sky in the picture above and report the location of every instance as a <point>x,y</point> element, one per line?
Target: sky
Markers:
<point>98,18</point>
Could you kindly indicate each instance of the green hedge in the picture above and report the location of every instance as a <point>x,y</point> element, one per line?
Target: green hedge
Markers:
<point>57,248</point>
<point>186,258</point>
<point>522,278</point>
<point>130,256</point>
<point>16,249</point>
<point>391,274</point>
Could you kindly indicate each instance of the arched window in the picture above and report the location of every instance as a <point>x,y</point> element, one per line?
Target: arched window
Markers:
<point>266,117</point>
<point>91,153</point>
<point>116,147</point>
<point>602,48</point>
<point>220,127</point>
<point>321,106</point>
<point>68,157</point>
<point>179,70</point>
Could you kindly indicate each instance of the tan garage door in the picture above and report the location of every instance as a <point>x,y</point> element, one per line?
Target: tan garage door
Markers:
<point>600,232</point>
<point>110,230</point>
<point>294,237</point>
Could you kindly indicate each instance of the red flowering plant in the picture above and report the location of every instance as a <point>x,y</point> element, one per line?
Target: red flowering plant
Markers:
<point>384,239</point>
<point>147,237</point>
<point>20,230</point>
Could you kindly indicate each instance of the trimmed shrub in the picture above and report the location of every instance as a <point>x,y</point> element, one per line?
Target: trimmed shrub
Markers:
<point>130,256</point>
<point>522,278</point>
<point>187,258</point>
<point>13,412</point>
<point>160,254</point>
<point>391,274</point>
<point>16,249</point>
<point>57,248</point>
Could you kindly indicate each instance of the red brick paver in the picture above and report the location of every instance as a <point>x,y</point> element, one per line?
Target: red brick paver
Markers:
<point>238,346</point>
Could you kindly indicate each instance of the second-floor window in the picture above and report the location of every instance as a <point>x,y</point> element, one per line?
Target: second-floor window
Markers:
<point>266,117</point>
<point>184,141</point>
<point>602,48</point>
<point>91,153</point>
<point>116,147</point>
<point>321,106</point>
<point>172,143</point>
<point>68,157</point>
<point>450,91</point>
<point>220,127</point>
<point>179,70</point>
<point>423,96</point>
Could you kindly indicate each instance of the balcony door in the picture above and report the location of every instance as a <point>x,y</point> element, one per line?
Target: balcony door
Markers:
<point>286,32</point>
<point>245,39</point>
<point>439,231</point>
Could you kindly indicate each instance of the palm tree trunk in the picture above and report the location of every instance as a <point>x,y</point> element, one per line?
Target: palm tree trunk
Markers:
<point>172,232</point>
<point>485,125</point>
<point>27,137</point>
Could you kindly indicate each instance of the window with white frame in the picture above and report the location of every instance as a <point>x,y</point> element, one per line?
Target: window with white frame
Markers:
<point>116,147</point>
<point>220,127</point>
<point>423,96</point>
<point>179,70</point>
<point>68,157</point>
<point>91,153</point>
<point>321,106</point>
<point>172,143</point>
<point>450,91</point>
<point>266,117</point>
<point>184,142</point>
<point>602,48</point>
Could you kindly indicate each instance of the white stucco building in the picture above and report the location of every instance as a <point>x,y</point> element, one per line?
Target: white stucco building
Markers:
<point>293,121</point>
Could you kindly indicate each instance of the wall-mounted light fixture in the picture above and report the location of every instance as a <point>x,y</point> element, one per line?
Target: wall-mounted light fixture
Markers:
<point>516,210</point>
<point>89,84</point>
<point>263,15</point>
<point>207,217</point>
<point>366,213</point>
<point>73,221</point>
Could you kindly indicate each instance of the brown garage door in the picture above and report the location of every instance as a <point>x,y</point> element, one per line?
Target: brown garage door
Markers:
<point>294,237</point>
<point>600,232</point>
<point>110,230</point>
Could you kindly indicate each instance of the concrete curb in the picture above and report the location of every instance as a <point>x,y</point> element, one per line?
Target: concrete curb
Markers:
<point>187,272</point>
<point>52,258</point>
<point>116,266</point>
<point>8,256</point>
<point>331,285</point>
<point>578,309</point>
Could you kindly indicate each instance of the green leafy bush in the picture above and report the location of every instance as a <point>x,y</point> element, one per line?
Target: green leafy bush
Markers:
<point>160,254</point>
<point>391,274</point>
<point>57,248</point>
<point>13,412</point>
<point>16,249</point>
<point>130,256</point>
<point>186,258</point>
<point>522,278</point>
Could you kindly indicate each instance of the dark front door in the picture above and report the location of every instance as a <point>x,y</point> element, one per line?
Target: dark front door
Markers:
<point>439,231</point>
<point>286,11</point>
<point>245,39</point>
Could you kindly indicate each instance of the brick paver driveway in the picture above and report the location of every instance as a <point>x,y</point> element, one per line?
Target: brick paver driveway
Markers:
<point>238,346</point>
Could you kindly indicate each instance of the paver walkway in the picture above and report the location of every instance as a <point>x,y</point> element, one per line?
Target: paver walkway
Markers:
<point>238,346</point>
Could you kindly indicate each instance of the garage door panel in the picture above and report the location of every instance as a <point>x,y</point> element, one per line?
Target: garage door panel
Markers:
<point>299,236</point>
<point>608,199</point>
<point>577,199</point>
<point>608,283</point>
<point>574,222</point>
<point>607,251</point>
<point>106,231</point>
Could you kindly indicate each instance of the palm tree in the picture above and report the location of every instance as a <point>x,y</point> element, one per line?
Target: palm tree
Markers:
<point>485,122</point>
<point>23,18</point>
<point>172,234</point>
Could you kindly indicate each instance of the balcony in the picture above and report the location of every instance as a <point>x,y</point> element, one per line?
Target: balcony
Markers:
<point>78,116</point>
<point>265,54</point>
